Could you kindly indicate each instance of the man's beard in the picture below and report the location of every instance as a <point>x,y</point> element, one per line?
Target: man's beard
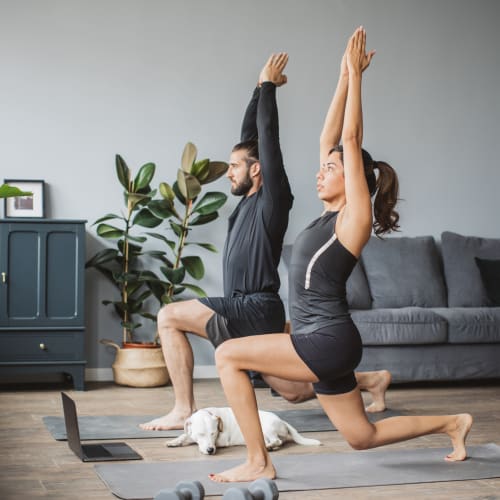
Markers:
<point>243,187</point>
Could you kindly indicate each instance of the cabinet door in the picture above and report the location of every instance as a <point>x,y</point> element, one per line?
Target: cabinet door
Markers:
<point>43,265</point>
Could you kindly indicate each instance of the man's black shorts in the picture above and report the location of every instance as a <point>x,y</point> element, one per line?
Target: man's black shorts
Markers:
<point>244,315</point>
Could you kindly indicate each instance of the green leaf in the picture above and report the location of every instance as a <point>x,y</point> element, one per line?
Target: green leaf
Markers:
<point>144,176</point>
<point>155,254</point>
<point>7,191</point>
<point>194,266</point>
<point>147,315</point>
<point>170,243</point>
<point>216,169</point>
<point>175,276</point>
<point>161,208</point>
<point>133,250</point>
<point>145,218</point>
<point>122,171</point>
<point>189,185</point>
<point>206,246</point>
<point>109,232</point>
<point>166,191</point>
<point>136,199</point>
<point>200,169</point>
<point>178,193</point>
<point>176,228</point>
<point>188,157</point>
<point>196,289</point>
<point>211,202</point>
<point>204,219</point>
<point>139,239</point>
<point>108,217</point>
<point>102,257</point>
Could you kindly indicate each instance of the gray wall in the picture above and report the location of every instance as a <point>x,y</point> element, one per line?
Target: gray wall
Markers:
<point>83,80</point>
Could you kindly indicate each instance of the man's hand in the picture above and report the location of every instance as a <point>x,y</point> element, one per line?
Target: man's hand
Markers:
<point>273,69</point>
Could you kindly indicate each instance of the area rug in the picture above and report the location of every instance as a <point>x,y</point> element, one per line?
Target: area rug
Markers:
<point>133,481</point>
<point>127,426</point>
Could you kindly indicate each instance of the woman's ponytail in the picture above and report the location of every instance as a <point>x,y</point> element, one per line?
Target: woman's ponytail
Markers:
<point>386,197</point>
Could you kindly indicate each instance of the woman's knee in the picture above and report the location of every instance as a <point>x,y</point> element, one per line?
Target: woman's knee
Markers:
<point>224,355</point>
<point>359,441</point>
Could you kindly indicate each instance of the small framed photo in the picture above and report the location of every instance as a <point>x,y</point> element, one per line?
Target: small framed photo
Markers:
<point>26,206</point>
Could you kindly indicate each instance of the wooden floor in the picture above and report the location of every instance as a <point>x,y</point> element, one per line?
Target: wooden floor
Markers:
<point>34,465</point>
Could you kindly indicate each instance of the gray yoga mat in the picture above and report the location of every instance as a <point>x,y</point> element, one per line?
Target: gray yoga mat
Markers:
<point>310,471</point>
<point>127,426</point>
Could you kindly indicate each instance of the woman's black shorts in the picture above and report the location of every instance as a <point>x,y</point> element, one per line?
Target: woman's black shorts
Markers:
<point>332,355</point>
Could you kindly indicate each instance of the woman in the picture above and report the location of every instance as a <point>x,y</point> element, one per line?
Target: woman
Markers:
<point>326,346</point>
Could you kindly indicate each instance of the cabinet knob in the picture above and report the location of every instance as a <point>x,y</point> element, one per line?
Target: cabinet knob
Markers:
<point>43,347</point>
<point>4,277</point>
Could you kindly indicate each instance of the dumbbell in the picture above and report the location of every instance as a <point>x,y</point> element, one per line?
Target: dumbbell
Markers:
<point>260,489</point>
<point>183,491</point>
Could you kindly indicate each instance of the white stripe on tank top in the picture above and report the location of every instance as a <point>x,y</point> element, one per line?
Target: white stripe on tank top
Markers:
<point>315,257</point>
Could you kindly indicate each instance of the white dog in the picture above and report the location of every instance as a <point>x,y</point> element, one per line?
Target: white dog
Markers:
<point>217,427</point>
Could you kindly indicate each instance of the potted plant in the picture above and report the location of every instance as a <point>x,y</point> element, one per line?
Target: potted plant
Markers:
<point>124,264</point>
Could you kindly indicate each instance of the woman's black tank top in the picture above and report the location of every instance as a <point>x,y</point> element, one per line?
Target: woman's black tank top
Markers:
<point>319,268</point>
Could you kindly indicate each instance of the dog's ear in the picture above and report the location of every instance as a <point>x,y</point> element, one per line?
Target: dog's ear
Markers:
<point>220,424</point>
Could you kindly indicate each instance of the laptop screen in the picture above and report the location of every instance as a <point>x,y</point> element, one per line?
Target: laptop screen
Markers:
<point>71,421</point>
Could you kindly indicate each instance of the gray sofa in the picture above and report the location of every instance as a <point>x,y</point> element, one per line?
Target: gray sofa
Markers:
<point>426,312</point>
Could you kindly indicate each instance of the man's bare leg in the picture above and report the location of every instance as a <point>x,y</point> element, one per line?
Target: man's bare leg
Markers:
<point>375,382</point>
<point>174,320</point>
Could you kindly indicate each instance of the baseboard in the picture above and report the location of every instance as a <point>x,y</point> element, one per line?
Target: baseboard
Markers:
<point>106,374</point>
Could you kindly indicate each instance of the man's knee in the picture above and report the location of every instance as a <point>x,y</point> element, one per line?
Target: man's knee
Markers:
<point>297,396</point>
<point>165,314</point>
<point>293,392</point>
<point>172,315</point>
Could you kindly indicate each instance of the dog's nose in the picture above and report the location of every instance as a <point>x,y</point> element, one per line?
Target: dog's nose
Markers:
<point>210,450</point>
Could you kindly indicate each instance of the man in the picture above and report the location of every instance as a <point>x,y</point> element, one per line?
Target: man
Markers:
<point>251,304</point>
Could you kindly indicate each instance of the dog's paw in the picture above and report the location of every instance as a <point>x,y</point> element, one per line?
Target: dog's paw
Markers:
<point>178,441</point>
<point>274,445</point>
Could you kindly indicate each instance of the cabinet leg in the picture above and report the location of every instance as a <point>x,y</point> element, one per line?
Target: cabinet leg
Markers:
<point>78,376</point>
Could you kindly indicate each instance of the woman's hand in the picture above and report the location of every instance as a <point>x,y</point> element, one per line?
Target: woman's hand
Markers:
<point>273,69</point>
<point>355,55</point>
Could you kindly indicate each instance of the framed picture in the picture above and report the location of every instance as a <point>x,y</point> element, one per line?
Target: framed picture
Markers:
<point>26,206</point>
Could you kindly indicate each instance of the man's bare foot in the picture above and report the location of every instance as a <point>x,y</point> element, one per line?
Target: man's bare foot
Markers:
<point>245,472</point>
<point>172,420</point>
<point>377,389</point>
<point>458,434</point>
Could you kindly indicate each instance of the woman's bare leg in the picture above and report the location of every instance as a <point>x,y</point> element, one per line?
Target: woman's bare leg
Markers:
<point>348,415</point>
<point>257,353</point>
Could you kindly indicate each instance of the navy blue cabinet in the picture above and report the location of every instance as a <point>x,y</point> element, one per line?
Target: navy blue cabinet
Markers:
<point>42,324</point>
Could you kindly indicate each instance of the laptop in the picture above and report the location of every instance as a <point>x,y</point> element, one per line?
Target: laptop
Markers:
<point>101,452</point>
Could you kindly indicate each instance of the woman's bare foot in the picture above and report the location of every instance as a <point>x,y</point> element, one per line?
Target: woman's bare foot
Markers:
<point>458,434</point>
<point>379,382</point>
<point>245,472</point>
<point>172,420</point>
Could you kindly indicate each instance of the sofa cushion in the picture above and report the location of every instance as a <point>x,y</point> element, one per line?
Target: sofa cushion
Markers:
<point>463,279</point>
<point>404,272</point>
<point>403,326</point>
<point>472,325</point>
<point>490,275</point>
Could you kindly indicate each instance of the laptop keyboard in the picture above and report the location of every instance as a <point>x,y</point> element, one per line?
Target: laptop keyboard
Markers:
<point>95,450</point>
